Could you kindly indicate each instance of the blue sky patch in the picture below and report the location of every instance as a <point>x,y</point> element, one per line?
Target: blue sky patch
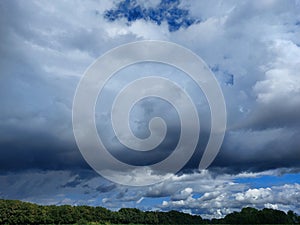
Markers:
<point>270,180</point>
<point>167,11</point>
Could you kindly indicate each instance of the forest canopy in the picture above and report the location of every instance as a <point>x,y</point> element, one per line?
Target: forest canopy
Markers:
<point>18,212</point>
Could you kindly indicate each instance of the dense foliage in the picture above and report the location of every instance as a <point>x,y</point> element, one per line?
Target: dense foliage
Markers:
<point>17,212</point>
<point>266,216</point>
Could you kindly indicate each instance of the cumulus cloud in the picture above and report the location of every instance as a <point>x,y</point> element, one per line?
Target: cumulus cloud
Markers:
<point>228,196</point>
<point>280,87</point>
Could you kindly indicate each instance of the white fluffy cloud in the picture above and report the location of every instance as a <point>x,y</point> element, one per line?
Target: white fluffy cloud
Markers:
<point>280,88</point>
<point>225,198</point>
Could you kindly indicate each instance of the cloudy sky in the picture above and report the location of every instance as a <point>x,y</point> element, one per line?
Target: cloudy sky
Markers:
<point>253,48</point>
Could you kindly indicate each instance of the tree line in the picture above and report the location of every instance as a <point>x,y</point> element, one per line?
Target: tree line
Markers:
<point>18,212</point>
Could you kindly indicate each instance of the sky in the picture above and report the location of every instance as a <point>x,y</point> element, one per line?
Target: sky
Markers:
<point>252,47</point>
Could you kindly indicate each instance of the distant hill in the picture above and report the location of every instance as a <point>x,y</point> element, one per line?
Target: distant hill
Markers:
<point>18,212</point>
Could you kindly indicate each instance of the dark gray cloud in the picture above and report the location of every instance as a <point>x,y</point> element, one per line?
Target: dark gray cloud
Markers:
<point>44,54</point>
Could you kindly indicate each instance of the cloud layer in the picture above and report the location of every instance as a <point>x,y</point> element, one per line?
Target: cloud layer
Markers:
<point>251,46</point>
